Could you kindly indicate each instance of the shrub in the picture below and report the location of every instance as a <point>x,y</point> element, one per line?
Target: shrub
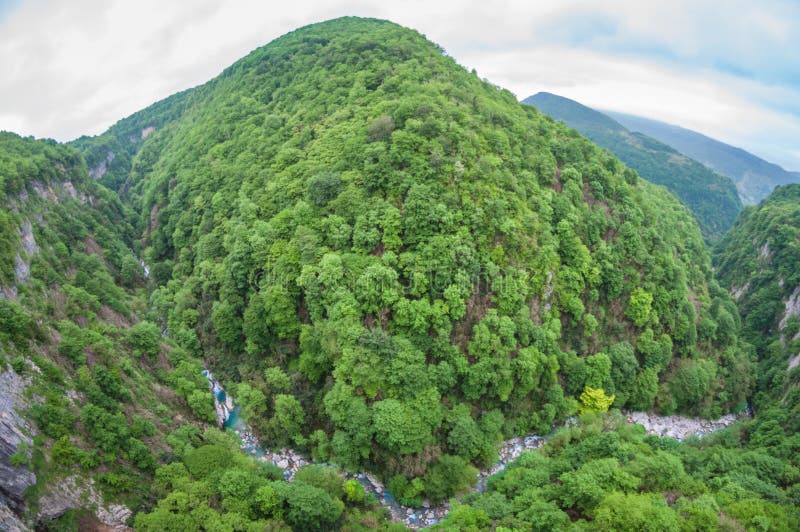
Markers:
<point>145,339</point>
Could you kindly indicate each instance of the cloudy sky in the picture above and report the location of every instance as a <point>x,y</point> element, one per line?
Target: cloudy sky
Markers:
<point>729,69</point>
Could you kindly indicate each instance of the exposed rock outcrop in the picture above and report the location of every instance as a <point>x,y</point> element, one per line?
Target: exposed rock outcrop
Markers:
<point>59,191</point>
<point>9,522</point>
<point>28,240</point>
<point>736,293</point>
<point>680,427</point>
<point>764,252</point>
<point>100,170</point>
<point>792,308</point>
<point>14,432</point>
<point>8,292</point>
<point>22,269</point>
<point>74,492</point>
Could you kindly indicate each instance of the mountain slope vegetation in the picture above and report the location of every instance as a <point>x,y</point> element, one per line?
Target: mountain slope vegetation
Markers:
<point>109,156</point>
<point>605,475</point>
<point>69,337</point>
<point>94,398</point>
<point>399,264</point>
<point>393,266</point>
<point>755,178</point>
<point>711,197</point>
<point>757,261</point>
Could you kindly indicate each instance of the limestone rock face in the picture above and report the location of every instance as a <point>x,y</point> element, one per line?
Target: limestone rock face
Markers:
<point>14,431</point>
<point>9,522</point>
<point>61,495</point>
<point>792,308</point>
<point>74,492</point>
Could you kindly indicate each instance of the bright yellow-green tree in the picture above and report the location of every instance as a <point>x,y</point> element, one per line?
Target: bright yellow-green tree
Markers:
<point>595,400</point>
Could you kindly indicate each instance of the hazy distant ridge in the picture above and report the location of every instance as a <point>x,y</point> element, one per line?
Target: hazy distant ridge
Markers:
<point>712,197</point>
<point>755,178</point>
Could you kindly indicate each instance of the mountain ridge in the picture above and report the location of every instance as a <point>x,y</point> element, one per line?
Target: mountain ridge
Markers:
<point>755,177</point>
<point>711,197</point>
<point>390,130</point>
<point>393,266</point>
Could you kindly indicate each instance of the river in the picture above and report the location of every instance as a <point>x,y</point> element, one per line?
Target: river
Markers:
<point>677,427</point>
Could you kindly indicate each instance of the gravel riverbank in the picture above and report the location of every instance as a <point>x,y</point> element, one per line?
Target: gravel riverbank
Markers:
<point>677,427</point>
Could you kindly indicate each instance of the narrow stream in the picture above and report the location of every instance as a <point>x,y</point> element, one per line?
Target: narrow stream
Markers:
<point>228,417</point>
<point>145,267</point>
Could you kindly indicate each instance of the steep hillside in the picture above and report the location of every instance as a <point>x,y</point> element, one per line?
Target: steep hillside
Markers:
<point>605,475</point>
<point>100,411</point>
<point>755,178</point>
<point>63,322</point>
<point>42,179</point>
<point>711,197</point>
<point>399,264</point>
<point>393,266</point>
<point>85,415</point>
<point>758,262</point>
<point>109,156</point>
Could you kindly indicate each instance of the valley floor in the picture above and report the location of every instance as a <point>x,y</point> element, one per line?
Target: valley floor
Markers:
<point>675,427</point>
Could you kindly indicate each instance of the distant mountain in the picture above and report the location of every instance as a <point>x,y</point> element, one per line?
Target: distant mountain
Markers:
<point>711,197</point>
<point>755,178</point>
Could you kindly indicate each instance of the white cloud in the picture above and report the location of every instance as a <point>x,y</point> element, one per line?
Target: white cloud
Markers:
<point>716,104</point>
<point>75,68</point>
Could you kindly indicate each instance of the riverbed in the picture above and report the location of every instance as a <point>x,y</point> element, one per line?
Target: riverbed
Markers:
<point>676,427</point>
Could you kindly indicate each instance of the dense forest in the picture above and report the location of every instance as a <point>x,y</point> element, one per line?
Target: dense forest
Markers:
<point>72,293</point>
<point>393,266</point>
<point>114,401</point>
<point>712,197</point>
<point>606,475</point>
<point>401,264</point>
<point>758,262</point>
<point>616,478</point>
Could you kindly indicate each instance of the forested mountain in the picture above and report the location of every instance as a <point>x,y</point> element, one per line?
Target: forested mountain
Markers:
<point>429,263</point>
<point>392,266</point>
<point>109,156</point>
<point>755,178</point>
<point>711,197</point>
<point>94,407</point>
<point>758,262</point>
<point>94,397</point>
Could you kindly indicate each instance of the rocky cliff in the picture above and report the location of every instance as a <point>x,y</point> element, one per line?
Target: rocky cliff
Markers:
<point>15,437</point>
